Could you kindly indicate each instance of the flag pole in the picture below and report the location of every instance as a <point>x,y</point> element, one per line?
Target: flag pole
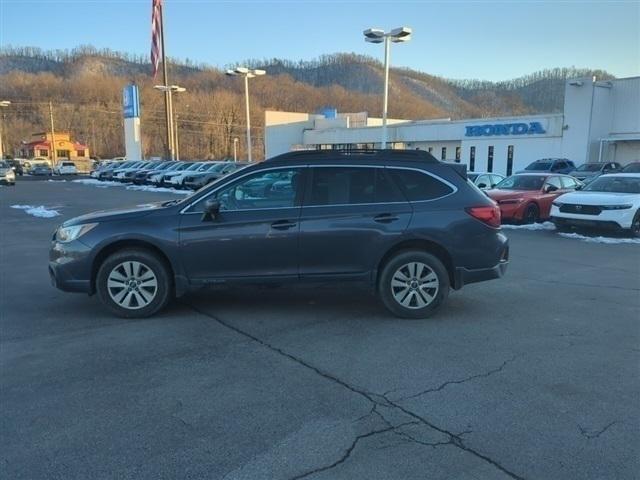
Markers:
<point>168,103</point>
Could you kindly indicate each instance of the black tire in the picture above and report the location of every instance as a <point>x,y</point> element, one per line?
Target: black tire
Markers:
<point>387,292</point>
<point>635,225</point>
<point>531,214</point>
<point>159,298</point>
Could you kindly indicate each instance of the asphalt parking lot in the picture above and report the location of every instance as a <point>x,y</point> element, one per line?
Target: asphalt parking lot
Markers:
<point>531,376</point>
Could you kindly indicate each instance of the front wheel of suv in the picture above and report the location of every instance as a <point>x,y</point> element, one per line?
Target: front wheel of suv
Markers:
<point>134,283</point>
<point>413,284</point>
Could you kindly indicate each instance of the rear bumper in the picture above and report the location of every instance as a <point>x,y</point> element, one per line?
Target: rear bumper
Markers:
<point>465,276</point>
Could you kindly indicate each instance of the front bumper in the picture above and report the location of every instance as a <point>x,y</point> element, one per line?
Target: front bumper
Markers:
<point>70,266</point>
<point>621,219</point>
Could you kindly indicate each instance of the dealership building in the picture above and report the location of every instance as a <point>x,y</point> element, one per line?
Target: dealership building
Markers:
<point>600,122</point>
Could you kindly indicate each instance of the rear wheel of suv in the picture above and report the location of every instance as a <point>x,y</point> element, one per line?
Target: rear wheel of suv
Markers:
<point>134,283</point>
<point>413,284</point>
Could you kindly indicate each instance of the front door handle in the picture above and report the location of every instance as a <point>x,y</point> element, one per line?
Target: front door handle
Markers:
<point>385,218</point>
<point>283,225</point>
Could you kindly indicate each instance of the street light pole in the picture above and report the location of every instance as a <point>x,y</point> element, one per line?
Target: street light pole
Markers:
<point>246,99</point>
<point>235,149</point>
<point>376,35</point>
<point>3,103</point>
<point>386,91</point>
<point>247,74</point>
<point>54,156</point>
<point>172,138</point>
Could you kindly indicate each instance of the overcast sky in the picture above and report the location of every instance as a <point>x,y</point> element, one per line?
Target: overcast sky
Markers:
<point>455,39</point>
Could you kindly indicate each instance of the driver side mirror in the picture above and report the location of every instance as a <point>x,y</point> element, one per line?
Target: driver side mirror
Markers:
<point>550,188</point>
<point>482,185</point>
<point>211,210</point>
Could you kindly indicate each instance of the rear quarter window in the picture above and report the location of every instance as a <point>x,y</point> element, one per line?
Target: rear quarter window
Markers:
<point>418,186</point>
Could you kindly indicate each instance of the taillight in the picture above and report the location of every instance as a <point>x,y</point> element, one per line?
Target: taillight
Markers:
<point>489,214</point>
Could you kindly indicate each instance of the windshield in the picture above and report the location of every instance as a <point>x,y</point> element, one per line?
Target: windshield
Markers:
<point>210,167</point>
<point>615,185</point>
<point>540,165</point>
<point>589,167</point>
<point>522,182</point>
<point>193,167</point>
<point>4,164</point>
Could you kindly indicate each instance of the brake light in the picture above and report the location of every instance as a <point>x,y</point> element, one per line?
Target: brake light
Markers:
<point>489,214</point>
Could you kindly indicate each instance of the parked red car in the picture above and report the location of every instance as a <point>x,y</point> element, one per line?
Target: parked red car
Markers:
<point>527,197</point>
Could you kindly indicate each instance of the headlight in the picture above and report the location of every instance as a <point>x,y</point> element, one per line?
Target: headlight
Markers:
<point>68,234</point>
<point>615,207</point>
<point>556,204</point>
<point>511,201</point>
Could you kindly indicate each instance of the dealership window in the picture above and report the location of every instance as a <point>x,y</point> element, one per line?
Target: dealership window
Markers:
<point>443,155</point>
<point>41,153</point>
<point>472,159</point>
<point>80,153</point>
<point>458,154</point>
<point>509,160</point>
<point>490,159</point>
<point>430,149</point>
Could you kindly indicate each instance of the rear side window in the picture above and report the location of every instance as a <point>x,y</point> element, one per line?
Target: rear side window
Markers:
<point>418,186</point>
<point>351,186</point>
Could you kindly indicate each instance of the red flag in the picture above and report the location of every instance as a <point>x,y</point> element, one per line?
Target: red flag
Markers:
<point>156,31</point>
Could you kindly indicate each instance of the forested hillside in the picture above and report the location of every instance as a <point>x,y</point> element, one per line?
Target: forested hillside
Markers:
<point>85,87</point>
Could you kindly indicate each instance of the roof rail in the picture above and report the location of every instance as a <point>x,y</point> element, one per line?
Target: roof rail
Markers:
<point>419,155</point>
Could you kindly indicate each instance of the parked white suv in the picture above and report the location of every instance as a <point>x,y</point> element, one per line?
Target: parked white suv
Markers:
<point>610,201</point>
<point>65,168</point>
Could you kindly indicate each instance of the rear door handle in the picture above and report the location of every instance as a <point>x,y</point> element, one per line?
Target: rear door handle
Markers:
<point>385,218</point>
<point>283,225</point>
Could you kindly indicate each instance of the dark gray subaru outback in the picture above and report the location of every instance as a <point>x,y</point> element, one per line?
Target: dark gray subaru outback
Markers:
<point>400,220</point>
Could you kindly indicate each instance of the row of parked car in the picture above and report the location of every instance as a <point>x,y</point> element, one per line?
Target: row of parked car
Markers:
<point>609,201</point>
<point>175,174</point>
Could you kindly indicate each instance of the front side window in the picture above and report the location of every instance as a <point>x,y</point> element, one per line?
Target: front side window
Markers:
<point>569,183</point>
<point>418,186</point>
<point>268,189</point>
<point>555,181</point>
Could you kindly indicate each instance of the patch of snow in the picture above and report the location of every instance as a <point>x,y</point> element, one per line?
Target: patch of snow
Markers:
<point>531,226</point>
<point>148,188</point>
<point>56,181</point>
<point>140,188</point>
<point>40,211</point>
<point>608,240</point>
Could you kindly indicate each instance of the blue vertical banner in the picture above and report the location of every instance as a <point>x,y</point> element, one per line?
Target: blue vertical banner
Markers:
<point>130,101</point>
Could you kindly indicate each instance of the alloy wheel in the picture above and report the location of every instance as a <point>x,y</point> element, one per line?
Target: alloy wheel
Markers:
<point>132,285</point>
<point>414,285</point>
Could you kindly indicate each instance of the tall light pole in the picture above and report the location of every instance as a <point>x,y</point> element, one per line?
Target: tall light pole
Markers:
<point>172,137</point>
<point>247,74</point>
<point>376,35</point>
<point>3,103</point>
<point>235,149</point>
<point>54,155</point>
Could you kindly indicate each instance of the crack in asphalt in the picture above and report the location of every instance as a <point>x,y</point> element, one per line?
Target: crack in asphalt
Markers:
<point>595,433</point>
<point>457,382</point>
<point>349,451</point>
<point>375,398</point>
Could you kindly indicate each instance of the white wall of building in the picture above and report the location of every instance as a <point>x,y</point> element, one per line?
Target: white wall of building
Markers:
<point>595,113</point>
